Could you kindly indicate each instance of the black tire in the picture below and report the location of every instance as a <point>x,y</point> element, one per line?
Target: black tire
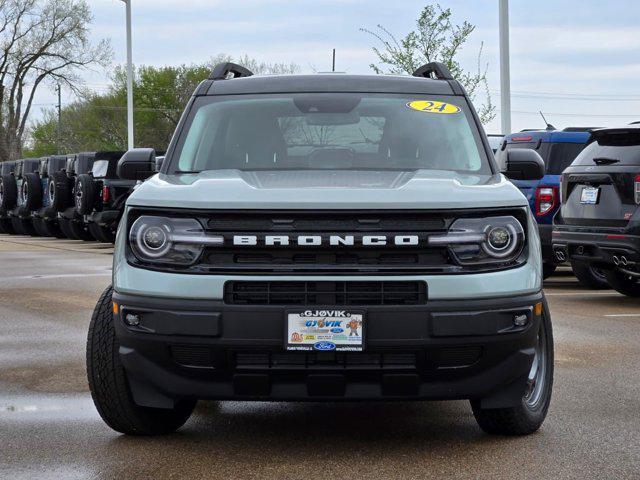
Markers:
<point>79,231</point>
<point>52,228</point>
<point>60,191</point>
<point>84,194</point>
<point>589,276</point>
<point>23,226</point>
<point>63,223</point>
<point>548,269</point>
<point>7,226</point>
<point>38,226</point>
<point>623,283</point>
<point>32,192</point>
<point>110,388</point>
<point>529,415</point>
<point>102,234</point>
<point>8,192</point>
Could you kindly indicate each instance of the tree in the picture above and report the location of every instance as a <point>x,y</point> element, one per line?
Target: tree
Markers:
<point>436,38</point>
<point>41,41</point>
<point>98,121</point>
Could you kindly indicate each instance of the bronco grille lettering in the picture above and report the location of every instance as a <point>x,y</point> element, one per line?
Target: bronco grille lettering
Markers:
<point>329,240</point>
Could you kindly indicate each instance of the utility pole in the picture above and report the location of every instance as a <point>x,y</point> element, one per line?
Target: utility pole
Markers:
<point>505,75</point>
<point>130,141</point>
<point>59,129</point>
<point>333,65</point>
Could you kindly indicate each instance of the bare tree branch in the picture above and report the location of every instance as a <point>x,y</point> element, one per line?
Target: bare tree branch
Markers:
<point>41,41</point>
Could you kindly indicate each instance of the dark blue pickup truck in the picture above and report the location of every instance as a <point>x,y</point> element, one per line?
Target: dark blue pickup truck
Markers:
<point>558,148</point>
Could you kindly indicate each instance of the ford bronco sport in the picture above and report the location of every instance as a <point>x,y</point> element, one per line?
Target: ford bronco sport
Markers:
<point>599,220</point>
<point>324,237</point>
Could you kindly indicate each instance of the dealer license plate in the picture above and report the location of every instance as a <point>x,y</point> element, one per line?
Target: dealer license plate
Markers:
<point>589,195</point>
<point>325,330</point>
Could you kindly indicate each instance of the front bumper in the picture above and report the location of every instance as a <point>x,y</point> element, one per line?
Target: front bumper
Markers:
<point>600,249</point>
<point>445,349</point>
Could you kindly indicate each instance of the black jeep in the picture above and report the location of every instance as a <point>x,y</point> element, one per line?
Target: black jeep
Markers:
<point>21,213</point>
<point>100,196</point>
<point>44,216</point>
<point>63,195</point>
<point>8,195</point>
<point>599,220</point>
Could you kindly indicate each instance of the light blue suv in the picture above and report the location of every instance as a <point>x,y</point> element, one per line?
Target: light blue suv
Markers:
<point>324,237</point>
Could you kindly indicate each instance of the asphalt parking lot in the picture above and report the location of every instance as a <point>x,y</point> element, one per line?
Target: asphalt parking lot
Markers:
<point>50,429</point>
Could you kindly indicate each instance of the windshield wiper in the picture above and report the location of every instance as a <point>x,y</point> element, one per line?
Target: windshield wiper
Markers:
<point>187,171</point>
<point>605,161</point>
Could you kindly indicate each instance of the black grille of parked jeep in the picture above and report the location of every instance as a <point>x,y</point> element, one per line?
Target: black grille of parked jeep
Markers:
<point>325,293</point>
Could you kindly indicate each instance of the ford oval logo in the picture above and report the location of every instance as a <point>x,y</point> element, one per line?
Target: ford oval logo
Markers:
<point>337,330</point>
<point>324,346</point>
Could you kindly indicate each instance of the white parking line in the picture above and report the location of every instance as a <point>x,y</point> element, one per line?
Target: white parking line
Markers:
<point>623,315</point>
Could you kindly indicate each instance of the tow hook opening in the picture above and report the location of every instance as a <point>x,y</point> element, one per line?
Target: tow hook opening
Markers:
<point>560,253</point>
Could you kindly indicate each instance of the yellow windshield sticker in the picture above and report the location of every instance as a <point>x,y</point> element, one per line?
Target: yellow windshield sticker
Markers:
<point>433,106</point>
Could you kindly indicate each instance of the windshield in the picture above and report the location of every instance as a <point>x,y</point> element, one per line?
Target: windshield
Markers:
<point>337,131</point>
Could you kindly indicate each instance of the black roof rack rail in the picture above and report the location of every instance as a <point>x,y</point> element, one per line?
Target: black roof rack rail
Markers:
<point>228,70</point>
<point>435,70</point>
<point>580,129</point>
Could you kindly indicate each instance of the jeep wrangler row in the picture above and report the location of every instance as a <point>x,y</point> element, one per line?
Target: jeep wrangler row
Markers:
<point>78,196</point>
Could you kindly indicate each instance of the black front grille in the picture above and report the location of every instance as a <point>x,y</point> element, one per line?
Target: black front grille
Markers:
<point>325,293</point>
<point>298,360</point>
<point>323,258</point>
<point>192,356</point>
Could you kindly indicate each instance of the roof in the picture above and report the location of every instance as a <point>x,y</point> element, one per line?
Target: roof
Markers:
<point>333,82</point>
<point>631,128</point>
<point>548,136</point>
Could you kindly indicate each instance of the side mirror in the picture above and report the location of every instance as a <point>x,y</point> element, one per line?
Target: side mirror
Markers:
<point>524,164</point>
<point>137,164</point>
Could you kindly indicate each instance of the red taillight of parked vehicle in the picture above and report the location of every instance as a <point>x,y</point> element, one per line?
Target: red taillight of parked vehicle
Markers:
<point>105,194</point>
<point>546,200</point>
<point>636,189</point>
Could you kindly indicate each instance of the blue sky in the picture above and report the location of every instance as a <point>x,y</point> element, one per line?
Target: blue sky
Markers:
<point>575,60</point>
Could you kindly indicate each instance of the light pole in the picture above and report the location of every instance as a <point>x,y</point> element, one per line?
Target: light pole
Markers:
<point>505,75</point>
<point>130,142</point>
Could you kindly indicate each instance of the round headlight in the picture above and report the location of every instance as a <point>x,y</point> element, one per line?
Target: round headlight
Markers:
<point>499,238</point>
<point>154,238</point>
<point>501,241</point>
<point>178,241</point>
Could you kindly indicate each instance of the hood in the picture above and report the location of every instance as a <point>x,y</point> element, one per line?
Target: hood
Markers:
<point>326,189</point>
